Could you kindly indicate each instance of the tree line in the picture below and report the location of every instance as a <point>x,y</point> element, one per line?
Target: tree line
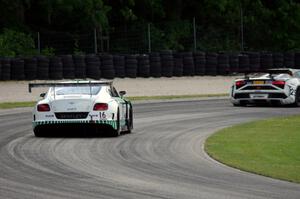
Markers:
<point>267,24</point>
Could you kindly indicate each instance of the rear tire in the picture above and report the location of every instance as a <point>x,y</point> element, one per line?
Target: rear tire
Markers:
<point>38,133</point>
<point>241,103</point>
<point>129,122</point>
<point>297,98</point>
<point>117,132</point>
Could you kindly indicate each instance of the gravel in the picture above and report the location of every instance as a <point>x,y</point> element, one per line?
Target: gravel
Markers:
<point>16,91</point>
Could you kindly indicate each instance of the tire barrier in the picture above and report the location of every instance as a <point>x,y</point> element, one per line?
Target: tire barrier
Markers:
<point>30,68</point>
<point>297,60</point>
<point>244,65</point>
<point>17,69</point>
<point>211,64</point>
<point>254,61</point>
<point>0,70</point>
<point>143,66</point>
<point>199,61</point>
<point>178,65</point>
<point>6,68</point>
<point>266,60</point>
<point>68,67</point>
<point>55,68</point>
<point>188,64</point>
<point>233,63</point>
<point>119,66</point>
<point>289,59</point>
<point>131,65</point>
<point>223,64</point>
<point>80,66</point>
<point>42,67</point>
<point>107,66</point>
<point>155,65</point>
<point>167,63</point>
<point>93,65</point>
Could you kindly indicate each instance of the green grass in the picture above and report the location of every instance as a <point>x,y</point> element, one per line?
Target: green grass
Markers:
<point>8,105</point>
<point>270,147</point>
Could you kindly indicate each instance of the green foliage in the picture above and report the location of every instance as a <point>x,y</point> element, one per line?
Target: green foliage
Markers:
<point>48,51</point>
<point>13,43</point>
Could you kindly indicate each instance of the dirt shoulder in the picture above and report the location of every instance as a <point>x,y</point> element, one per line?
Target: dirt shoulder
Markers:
<point>16,91</point>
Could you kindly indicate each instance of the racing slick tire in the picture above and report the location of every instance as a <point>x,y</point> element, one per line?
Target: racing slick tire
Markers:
<point>129,121</point>
<point>297,98</point>
<point>117,132</point>
<point>38,132</point>
<point>241,103</point>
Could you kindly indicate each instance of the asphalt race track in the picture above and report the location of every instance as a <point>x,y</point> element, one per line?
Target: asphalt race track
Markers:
<point>162,158</point>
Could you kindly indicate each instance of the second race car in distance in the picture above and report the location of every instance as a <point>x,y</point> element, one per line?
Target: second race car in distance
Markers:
<point>274,86</point>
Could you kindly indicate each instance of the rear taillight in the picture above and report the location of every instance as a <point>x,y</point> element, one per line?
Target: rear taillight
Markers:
<point>240,83</point>
<point>43,107</point>
<point>100,107</point>
<point>279,84</point>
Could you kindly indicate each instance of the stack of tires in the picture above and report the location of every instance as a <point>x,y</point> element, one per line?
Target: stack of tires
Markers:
<point>42,67</point>
<point>55,68</point>
<point>223,64</point>
<point>30,68</point>
<point>167,63</point>
<point>289,60</point>
<point>143,66</point>
<point>68,67</point>
<point>6,68</point>
<point>254,61</point>
<point>188,64</point>
<point>17,69</point>
<point>199,60</point>
<point>244,65</point>
<point>131,65</point>
<point>266,60</point>
<point>93,65</point>
<point>234,63</point>
<point>80,66</point>
<point>297,60</point>
<point>178,65</point>
<point>278,60</point>
<point>119,65</point>
<point>107,66</point>
<point>211,64</point>
<point>155,65</point>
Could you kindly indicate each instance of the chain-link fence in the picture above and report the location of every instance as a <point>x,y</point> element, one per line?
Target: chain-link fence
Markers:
<point>185,35</point>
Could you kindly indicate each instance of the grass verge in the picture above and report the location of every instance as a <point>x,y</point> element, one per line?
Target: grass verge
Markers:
<point>8,105</point>
<point>270,147</point>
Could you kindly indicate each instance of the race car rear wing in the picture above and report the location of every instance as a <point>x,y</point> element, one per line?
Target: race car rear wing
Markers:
<point>68,84</point>
<point>269,71</point>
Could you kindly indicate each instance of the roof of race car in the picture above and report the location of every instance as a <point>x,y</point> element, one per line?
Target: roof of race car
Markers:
<point>68,83</point>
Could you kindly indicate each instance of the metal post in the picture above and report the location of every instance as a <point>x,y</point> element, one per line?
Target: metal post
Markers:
<point>38,43</point>
<point>195,34</point>
<point>95,41</point>
<point>149,37</point>
<point>242,27</point>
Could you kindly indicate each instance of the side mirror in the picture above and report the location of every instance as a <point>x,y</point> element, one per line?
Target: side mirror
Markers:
<point>42,95</point>
<point>122,93</point>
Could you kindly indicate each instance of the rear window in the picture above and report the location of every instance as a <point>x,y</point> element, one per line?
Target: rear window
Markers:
<point>77,90</point>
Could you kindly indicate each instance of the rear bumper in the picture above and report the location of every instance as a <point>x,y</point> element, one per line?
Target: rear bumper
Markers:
<point>75,123</point>
<point>280,97</point>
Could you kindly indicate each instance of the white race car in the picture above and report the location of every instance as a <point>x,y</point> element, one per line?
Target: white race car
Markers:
<point>275,86</point>
<point>84,104</point>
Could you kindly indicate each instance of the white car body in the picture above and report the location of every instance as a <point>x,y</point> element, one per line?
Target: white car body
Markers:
<point>82,103</point>
<point>276,86</point>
